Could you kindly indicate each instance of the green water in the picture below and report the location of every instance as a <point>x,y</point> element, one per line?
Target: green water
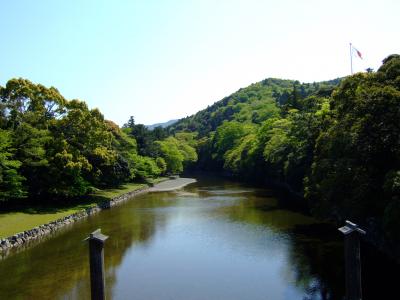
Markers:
<point>212,240</point>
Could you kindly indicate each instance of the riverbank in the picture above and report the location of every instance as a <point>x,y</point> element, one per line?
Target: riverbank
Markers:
<point>57,219</point>
<point>23,217</point>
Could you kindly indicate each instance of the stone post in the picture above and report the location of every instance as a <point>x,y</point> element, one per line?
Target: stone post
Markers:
<point>352,234</point>
<point>96,259</point>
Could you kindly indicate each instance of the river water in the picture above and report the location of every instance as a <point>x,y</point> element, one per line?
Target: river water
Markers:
<point>214,239</point>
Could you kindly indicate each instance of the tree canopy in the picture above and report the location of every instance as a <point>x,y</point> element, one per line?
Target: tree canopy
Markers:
<point>51,147</point>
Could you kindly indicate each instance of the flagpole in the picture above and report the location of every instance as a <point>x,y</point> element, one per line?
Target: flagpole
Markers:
<point>351,60</point>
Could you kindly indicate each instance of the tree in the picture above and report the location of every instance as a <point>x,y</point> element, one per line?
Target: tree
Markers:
<point>11,182</point>
<point>169,151</point>
<point>177,152</point>
<point>226,137</point>
<point>161,164</point>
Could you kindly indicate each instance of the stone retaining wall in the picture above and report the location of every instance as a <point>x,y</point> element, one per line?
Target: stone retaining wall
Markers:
<point>22,238</point>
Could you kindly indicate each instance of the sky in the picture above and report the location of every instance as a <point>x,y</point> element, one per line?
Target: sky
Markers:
<point>162,60</point>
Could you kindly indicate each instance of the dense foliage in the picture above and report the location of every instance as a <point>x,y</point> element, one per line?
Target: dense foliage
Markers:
<point>335,143</point>
<point>54,148</point>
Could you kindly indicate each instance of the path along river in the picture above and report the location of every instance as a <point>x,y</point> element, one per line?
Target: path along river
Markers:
<point>214,239</point>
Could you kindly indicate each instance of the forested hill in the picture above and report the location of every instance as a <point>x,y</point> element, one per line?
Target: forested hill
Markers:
<point>336,143</point>
<point>255,103</point>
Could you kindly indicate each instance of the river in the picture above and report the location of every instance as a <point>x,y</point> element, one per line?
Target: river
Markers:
<point>215,239</point>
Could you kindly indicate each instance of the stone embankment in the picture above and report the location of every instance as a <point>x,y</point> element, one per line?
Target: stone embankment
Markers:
<point>41,231</point>
<point>37,233</point>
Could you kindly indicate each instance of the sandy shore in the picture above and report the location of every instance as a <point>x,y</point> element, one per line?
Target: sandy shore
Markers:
<point>173,184</point>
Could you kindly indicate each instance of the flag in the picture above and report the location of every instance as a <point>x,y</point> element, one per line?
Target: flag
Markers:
<point>356,52</point>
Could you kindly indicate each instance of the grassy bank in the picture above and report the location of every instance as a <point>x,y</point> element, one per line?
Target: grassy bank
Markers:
<point>24,218</point>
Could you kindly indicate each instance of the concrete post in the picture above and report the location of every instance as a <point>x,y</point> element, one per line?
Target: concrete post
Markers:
<point>96,259</point>
<point>352,234</point>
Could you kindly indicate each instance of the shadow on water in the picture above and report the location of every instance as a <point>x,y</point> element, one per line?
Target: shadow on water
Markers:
<point>380,274</point>
<point>317,254</point>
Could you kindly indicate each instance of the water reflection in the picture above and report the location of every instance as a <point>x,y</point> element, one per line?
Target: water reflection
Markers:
<point>213,240</point>
<point>317,256</point>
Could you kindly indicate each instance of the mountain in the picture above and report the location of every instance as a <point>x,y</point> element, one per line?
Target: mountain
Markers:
<point>235,134</point>
<point>163,125</point>
<point>253,104</point>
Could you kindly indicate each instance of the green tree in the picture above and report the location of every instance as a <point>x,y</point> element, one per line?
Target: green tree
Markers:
<point>11,182</point>
<point>161,164</point>
<point>169,150</point>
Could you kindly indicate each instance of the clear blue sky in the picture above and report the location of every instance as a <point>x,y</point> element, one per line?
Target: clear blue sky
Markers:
<point>159,60</point>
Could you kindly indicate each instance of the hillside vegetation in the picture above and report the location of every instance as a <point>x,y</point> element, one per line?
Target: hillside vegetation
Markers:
<point>335,143</point>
